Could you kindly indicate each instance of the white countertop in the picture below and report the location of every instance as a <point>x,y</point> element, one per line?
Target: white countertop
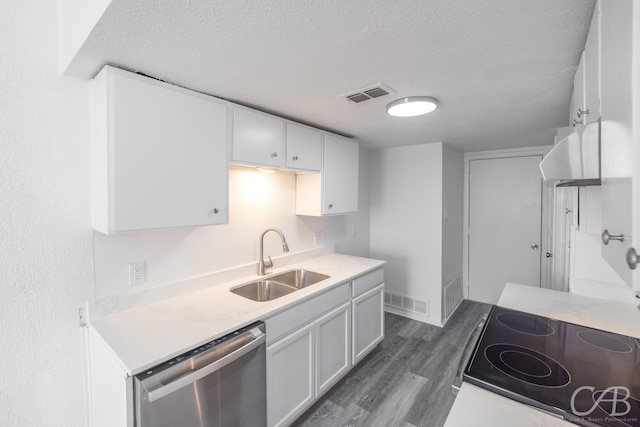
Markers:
<point>607,314</point>
<point>141,337</point>
<point>478,407</point>
<point>475,406</point>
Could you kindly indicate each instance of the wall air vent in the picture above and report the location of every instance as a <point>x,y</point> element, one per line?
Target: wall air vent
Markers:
<point>367,93</point>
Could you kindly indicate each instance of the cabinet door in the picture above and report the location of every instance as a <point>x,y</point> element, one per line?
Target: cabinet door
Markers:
<point>258,138</point>
<point>304,147</point>
<point>339,175</point>
<point>368,322</point>
<point>620,159</point>
<point>577,100</point>
<point>158,154</point>
<point>592,71</point>
<point>333,339</point>
<point>290,376</point>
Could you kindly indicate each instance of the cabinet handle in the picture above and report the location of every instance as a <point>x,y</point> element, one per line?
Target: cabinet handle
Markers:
<point>632,258</point>
<point>549,255</point>
<point>575,122</point>
<point>330,205</point>
<point>274,154</point>
<point>534,246</point>
<point>606,237</point>
<point>294,158</point>
<point>581,112</point>
<point>215,210</point>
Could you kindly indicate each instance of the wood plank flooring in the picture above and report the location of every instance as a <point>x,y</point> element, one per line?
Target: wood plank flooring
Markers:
<point>406,381</point>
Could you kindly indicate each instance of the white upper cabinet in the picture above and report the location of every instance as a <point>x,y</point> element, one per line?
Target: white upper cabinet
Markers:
<point>159,154</point>
<point>585,102</point>
<point>577,100</point>
<point>335,190</point>
<point>591,112</point>
<point>340,175</point>
<point>620,143</point>
<point>258,138</point>
<point>304,147</point>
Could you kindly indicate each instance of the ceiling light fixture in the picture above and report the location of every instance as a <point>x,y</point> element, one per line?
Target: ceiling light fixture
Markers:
<point>412,106</point>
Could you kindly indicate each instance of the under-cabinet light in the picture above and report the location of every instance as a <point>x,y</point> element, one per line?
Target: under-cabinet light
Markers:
<point>267,170</point>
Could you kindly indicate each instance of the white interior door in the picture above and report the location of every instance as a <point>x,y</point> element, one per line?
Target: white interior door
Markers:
<point>564,217</point>
<point>505,215</point>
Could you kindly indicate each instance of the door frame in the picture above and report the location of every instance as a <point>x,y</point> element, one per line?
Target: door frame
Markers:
<point>501,154</point>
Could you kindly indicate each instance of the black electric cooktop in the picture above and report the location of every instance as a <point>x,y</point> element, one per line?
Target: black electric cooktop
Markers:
<point>587,376</point>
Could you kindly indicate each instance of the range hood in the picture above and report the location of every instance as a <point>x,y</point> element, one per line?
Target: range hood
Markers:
<point>575,160</point>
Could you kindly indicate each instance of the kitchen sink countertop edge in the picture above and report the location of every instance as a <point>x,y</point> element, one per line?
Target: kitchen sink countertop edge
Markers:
<point>144,336</point>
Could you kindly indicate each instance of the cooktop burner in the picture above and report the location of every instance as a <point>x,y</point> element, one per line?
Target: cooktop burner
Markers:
<point>525,323</point>
<point>588,376</point>
<point>605,341</point>
<point>527,365</point>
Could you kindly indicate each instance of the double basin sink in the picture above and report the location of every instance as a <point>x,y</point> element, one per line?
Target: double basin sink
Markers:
<point>278,285</point>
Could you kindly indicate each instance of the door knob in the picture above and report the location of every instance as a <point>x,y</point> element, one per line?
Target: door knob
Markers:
<point>632,258</point>
<point>606,237</point>
<point>534,246</point>
<point>581,112</point>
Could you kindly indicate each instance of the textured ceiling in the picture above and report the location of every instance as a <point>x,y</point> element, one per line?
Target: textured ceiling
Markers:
<point>502,69</point>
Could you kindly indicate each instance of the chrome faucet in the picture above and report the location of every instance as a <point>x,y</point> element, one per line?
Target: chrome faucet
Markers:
<point>268,264</point>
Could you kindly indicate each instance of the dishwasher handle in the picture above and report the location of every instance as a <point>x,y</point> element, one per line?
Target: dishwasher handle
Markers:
<point>260,338</point>
<point>457,382</point>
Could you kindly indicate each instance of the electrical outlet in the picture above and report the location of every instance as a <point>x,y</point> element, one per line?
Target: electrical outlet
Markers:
<point>318,237</point>
<point>137,273</point>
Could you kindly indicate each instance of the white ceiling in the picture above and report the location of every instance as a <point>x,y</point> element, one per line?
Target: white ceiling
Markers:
<point>502,69</point>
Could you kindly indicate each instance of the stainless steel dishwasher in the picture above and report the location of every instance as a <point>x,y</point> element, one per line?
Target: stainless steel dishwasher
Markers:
<point>222,383</point>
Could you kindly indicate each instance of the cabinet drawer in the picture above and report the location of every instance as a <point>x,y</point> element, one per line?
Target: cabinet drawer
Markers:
<point>290,320</point>
<point>367,281</point>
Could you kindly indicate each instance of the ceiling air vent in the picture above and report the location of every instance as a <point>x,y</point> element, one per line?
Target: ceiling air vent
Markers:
<point>358,97</point>
<point>368,93</point>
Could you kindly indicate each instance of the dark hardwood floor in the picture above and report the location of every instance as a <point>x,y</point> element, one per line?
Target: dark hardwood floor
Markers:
<point>406,380</point>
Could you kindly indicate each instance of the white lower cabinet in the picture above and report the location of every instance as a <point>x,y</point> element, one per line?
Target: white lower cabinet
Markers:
<point>305,364</point>
<point>312,345</point>
<point>368,322</point>
<point>308,350</point>
<point>290,379</point>
<point>333,345</point>
<point>367,305</point>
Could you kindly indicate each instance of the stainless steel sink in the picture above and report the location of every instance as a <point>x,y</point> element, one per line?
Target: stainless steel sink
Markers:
<point>299,278</point>
<point>278,285</point>
<point>263,290</point>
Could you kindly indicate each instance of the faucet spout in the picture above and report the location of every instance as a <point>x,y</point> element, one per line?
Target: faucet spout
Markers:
<point>263,265</point>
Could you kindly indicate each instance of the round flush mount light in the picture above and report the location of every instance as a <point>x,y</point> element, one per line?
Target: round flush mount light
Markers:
<point>412,106</point>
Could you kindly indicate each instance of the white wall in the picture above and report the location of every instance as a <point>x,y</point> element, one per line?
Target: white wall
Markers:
<point>47,247</point>
<point>257,201</point>
<point>406,221</point>
<point>45,238</point>
<point>452,213</point>
<point>77,19</point>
